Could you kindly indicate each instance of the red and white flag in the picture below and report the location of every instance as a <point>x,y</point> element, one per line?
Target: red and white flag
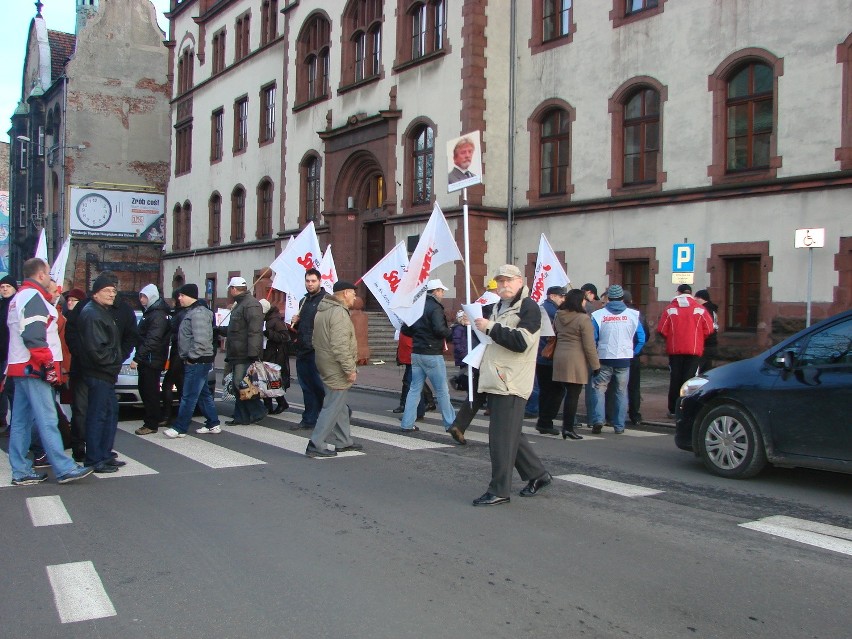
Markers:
<point>57,271</point>
<point>328,272</point>
<point>488,298</point>
<point>548,272</point>
<point>383,279</point>
<point>302,253</point>
<point>436,247</point>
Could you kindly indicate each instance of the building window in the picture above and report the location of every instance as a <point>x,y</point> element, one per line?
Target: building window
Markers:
<point>749,120</point>
<point>267,113</point>
<point>742,294</point>
<point>422,30</point>
<point>183,148</point>
<point>314,44</point>
<point>843,153</point>
<point>217,135</point>
<point>635,276</point>
<point>214,222</point>
<point>635,6</point>
<point>23,153</point>
<point>240,125</point>
<point>242,35</point>
<point>555,153</point>
<point>310,170</point>
<point>40,144</point>
<point>745,113</point>
<point>627,11</point>
<point>641,137</point>
<point>238,215</point>
<point>268,21</point>
<point>362,22</point>
<point>555,19</point>
<point>218,51</point>
<point>264,210</point>
<point>423,165</point>
<point>186,63</point>
<point>182,222</point>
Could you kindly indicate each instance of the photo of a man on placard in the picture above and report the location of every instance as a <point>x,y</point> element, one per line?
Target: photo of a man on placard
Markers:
<point>465,159</point>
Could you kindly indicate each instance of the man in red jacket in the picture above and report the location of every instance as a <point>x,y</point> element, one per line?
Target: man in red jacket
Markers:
<point>684,323</point>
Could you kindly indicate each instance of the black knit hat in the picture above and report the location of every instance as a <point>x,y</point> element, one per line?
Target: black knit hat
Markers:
<point>342,285</point>
<point>190,290</point>
<point>11,281</point>
<point>105,279</point>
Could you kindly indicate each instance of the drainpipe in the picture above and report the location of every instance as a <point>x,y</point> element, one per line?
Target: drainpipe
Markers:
<point>510,206</point>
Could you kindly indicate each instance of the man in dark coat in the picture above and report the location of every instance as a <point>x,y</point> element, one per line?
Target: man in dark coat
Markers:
<point>154,334</point>
<point>313,392</point>
<point>277,338</point>
<point>8,288</point>
<point>244,345</point>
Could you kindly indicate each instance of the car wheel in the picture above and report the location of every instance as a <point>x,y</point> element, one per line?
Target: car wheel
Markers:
<point>730,443</point>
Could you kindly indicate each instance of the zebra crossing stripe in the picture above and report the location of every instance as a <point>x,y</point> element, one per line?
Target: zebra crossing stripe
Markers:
<point>813,533</point>
<point>196,449</point>
<point>48,511</point>
<point>5,470</point>
<point>132,468</point>
<point>286,441</point>
<point>78,592</point>
<point>607,485</point>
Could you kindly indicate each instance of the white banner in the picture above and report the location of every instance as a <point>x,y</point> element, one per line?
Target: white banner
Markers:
<point>302,253</point>
<point>57,271</point>
<point>488,298</point>
<point>117,214</point>
<point>383,279</point>
<point>435,247</point>
<point>548,272</point>
<point>328,272</point>
<point>41,247</point>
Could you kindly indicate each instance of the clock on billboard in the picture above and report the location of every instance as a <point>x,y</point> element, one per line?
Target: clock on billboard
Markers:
<point>94,210</point>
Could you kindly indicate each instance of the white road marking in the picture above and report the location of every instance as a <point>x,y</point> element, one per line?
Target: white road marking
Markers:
<point>196,449</point>
<point>824,536</point>
<point>132,468</point>
<point>48,511</point>
<point>616,487</point>
<point>276,438</point>
<point>5,470</point>
<point>78,592</point>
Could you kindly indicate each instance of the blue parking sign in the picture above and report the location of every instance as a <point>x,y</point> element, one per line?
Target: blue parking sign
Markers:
<point>683,258</point>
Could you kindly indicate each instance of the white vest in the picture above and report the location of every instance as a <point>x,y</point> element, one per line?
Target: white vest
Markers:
<point>18,353</point>
<point>615,333</point>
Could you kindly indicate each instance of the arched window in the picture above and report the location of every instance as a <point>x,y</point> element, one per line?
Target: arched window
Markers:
<point>422,32</point>
<point>422,164</point>
<point>177,232</point>
<point>182,221</point>
<point>314,44</point>
<point>555,152</point>
<point>264,209</point>
<point>214,227</point>
<point>749,117</point>
<point>641,147</point>
<point>238,215</point>
<point>310,201</point>
<point>362,22</point>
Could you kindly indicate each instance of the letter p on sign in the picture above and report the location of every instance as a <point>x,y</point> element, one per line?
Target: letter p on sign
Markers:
<point>683,258</point>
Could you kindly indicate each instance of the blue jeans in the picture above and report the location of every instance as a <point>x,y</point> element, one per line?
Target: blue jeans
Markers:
<point>433,368</point>
<point>101,420</point>
<point>601,382</point>
<point>195,391</point>
<point>245,411</point>
<point>531,407</point>
<point>34,404</point>
<point>313,392</point>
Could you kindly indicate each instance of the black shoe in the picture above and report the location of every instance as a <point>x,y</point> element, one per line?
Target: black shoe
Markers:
<point>118,463</point>
<point>79,456</point>
<point>636,419</point>
<point>570,433</point>
<point>346,449</point>
<point>236,422</point>
<point>399,409</point>
<point>104,467</point>
<point>257,420</point>
<point>597,428</point>
<point>455,433</point>
<point>535,486</point>
<point>548,431</point>
<point>41,461</point>
<point>431,406</point>
<point>413,429</point>
<point>490,500</point>
<point>313,451</point>
<point>278,409</point>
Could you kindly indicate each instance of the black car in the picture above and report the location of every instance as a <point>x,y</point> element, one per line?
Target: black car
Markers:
<point>790,406</point>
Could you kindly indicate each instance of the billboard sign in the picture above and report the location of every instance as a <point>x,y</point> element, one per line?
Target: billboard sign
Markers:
<point>117,214</point>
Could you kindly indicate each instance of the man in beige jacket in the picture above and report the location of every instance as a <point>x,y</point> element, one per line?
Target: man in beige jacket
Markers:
<point>336,352</point>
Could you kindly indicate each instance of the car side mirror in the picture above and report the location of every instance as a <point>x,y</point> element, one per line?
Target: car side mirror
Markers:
<point>789,360</point>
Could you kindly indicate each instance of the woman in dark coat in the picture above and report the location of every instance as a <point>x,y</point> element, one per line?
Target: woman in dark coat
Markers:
<point>275,350</point>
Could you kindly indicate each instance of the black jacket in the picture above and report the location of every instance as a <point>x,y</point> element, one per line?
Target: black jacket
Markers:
<point>277,338</point>
<point>125,320</point>
<point>99,343</point>
<point>245,330</point>
<point>4,328</point>
<point>428,334</point>
<point>305,327</point>
<point>154,335</point>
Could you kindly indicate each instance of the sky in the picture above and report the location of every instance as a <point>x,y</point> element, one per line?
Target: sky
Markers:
<point>14,28</point>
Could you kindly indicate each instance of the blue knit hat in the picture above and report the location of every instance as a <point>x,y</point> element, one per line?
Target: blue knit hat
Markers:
<point>615,292</point>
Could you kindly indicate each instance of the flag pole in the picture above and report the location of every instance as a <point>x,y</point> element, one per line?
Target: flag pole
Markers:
<point>467,289</point>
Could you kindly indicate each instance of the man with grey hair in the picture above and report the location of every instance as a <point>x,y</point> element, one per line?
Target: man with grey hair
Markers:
<point>506,374</point>
<point>463,153</point>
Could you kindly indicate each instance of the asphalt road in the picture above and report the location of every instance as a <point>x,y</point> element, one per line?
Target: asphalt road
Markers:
<point>239,535</point>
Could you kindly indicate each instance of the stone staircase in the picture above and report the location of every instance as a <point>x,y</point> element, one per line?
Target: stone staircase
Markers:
<point>382,343</point>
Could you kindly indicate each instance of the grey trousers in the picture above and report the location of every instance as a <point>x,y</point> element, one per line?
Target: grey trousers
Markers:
<point>508,446</point>
<point>333,422</point>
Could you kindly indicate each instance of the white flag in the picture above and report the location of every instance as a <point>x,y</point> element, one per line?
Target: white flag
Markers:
<point>291,307</point>
<point>41,247</point>
<point>548,272</point>
<point>301,254</point>
<point>57,271</point>
<point>436,247</point>
<point>328,272</point>
<point>383,279</point>
<point>488,298</point>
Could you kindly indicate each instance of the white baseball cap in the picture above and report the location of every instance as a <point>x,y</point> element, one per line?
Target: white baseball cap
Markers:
<point>431,285</point>
<point>237,281</point>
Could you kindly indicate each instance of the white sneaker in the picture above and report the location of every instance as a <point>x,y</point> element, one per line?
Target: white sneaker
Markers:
<point>213,430</point>
<point>171,433</point>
